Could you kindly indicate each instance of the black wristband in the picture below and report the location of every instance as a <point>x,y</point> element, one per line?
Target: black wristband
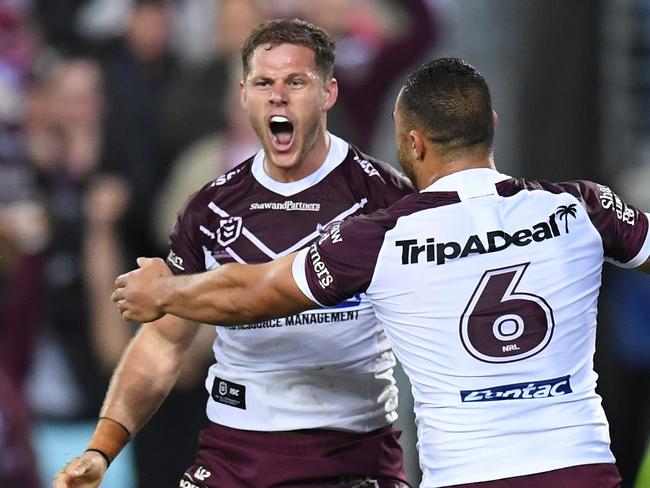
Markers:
<point>102,454</point>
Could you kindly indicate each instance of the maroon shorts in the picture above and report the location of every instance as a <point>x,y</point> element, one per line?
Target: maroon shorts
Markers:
<point>585,476</point>
<point>232,458</point>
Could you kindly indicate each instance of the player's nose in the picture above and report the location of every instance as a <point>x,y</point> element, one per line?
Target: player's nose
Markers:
<point>278,93</point>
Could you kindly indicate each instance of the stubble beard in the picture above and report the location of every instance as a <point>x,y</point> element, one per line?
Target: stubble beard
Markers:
<point>407,165</point>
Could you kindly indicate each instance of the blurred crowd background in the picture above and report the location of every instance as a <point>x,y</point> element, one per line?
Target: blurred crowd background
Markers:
<point>113,111</point>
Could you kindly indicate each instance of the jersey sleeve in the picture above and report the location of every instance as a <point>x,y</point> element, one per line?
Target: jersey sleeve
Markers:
<point>341,263</point>
<point>184,251</point>
<point>622,227</point>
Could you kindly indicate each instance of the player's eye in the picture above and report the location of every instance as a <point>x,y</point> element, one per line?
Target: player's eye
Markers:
<point>297,83</point>
<point>262,84</point>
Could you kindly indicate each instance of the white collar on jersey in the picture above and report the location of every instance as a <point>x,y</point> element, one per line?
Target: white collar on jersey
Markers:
<point>335,156</point>
<point>469,183</point>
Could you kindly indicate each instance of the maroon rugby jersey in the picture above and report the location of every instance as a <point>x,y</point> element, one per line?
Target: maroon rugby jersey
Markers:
<point>311,370</point>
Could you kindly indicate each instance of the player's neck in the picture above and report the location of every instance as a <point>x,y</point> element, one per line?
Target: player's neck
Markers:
<point>307,164</point>
<point>439,167</point>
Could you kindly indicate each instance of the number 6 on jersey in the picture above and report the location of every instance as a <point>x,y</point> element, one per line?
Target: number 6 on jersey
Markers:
<point>501,325</point>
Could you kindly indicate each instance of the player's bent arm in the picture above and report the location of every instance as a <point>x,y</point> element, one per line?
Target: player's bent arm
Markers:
<point>144,377</point>
<point>235,293</point>
<point>229,295</point>
<point>147,371</point>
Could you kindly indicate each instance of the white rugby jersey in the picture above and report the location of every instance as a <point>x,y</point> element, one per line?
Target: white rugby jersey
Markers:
<point>487,287</point>
<point>325,368</point>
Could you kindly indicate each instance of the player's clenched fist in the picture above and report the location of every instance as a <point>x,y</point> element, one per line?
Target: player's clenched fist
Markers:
<point>135,294</point>
<point>85,471</point>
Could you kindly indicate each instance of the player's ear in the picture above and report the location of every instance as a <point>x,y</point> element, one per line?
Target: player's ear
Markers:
<point>495,119</point>
<point>416,144</point>
<point>331,90</point>
<point>242,94</point>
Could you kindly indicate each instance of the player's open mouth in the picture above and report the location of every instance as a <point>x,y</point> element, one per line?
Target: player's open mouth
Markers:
<point>281,132</point>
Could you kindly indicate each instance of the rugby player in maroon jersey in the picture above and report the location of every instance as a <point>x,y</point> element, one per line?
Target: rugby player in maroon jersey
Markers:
<point>315,405</point>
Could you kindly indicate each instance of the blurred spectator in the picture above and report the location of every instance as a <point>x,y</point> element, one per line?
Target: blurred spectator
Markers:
<point>193,31</point>
<point>138,70</point>
<point>101,20</point>
<point>64,137</point>
<point>58,21</point>
<point>22,229</point>
<point>199,100</point>
<point>23,234</point>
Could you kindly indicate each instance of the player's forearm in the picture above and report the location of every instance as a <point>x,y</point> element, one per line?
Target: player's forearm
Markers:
<point>142,380</point>
<point>234,294</point>
<point>224,296</point>
<point>229,295</point>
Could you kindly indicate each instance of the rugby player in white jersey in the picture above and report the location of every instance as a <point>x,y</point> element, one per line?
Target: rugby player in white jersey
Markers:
<point>303,400</point>
<point>487,286</point>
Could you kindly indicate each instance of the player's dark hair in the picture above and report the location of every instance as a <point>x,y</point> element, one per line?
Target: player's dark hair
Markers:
<point>449,101</point>
<point>297,32</point>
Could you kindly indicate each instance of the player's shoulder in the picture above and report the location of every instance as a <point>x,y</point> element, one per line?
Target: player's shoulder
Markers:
<point>592,196</point>
<point>220,187</point>
<point>577,188</point>
<point>233,177</point>
<point>408,205</point>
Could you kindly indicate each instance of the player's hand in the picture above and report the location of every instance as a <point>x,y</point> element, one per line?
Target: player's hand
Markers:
<point>135,291</point>
<point>85,471</point>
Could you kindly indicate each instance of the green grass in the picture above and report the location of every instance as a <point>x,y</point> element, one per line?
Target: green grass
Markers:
<point>643,478</point>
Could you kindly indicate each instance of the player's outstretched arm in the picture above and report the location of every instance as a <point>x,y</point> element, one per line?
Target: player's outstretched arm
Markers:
<point>144,377</point>
<point>229,295</point>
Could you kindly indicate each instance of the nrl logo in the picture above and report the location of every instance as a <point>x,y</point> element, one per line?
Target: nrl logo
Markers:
<point>229,230</point>
<point>223,388</point>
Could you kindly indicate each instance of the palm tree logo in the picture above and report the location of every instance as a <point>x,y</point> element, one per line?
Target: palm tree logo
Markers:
<point>563,212</point>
